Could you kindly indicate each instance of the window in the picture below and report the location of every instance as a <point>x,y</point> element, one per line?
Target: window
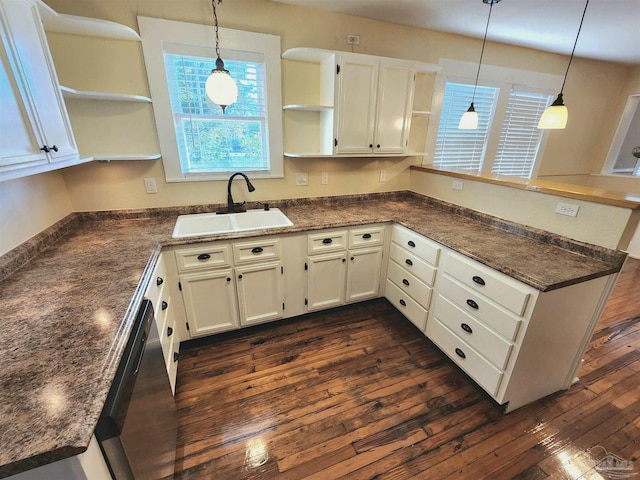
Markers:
<point>507,141</point>
<point>198,141</point>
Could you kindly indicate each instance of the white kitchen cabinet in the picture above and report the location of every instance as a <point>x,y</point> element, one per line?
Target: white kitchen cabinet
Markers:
<point>344,267</point>
<point>260,292</point>
<point>210,301</point>
<point>349,104</point>
<point>375,104</point>
<point>35,132</point>
<point>517,343</point>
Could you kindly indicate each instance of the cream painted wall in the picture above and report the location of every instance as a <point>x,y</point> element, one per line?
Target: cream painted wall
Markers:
<point>598,224</point>
<point>99,187</point>
<point>29,205</point>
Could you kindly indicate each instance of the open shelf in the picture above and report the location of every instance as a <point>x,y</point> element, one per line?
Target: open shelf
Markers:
<point>106,158</point>
<point>344,155</point>
<point>92,27</point>
<point>308,108</point>
<point>421,113</point>
<point>86,95</point>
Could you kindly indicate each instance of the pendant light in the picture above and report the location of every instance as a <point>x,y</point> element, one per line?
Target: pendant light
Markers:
<point>220,87</point>
<point>555,116</point>
<point>469,120</point>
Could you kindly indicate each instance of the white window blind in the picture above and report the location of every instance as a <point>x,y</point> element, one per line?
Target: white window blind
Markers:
<point>209,141</point>
<point>464,149</point>
<point>520,137</point>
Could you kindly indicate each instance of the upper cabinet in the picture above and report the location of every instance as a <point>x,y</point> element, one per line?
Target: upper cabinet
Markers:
<point>348,104</point>
<point>35,133</point>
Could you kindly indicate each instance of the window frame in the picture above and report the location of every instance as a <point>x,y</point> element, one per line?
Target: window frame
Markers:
<point>491,76</point>
<point>154,33</point>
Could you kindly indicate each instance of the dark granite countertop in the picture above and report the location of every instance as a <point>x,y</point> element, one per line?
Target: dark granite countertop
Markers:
<point>67,312</point>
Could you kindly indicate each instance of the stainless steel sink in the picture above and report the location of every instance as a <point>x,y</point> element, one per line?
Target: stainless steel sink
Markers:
<point>200,224</point>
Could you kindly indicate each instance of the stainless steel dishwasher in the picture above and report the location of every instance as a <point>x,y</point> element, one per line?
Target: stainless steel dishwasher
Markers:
<point>137,429</point>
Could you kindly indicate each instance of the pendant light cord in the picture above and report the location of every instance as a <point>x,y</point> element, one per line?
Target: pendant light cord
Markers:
<point>574,46</point>
<point>215,18</point>
<point>484,40</point>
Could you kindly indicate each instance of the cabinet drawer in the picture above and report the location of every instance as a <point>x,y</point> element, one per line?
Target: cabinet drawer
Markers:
<point>492,315</point>
<point>259,251</point>
<point>413,264</point>
<point>498,287</point>
<point>406,305</point>
<point>157,282</point>
<point>409,284</point>
<point>366,237</point>
<point>474,364</point>
<point>203,257</point>
<point>327,242</point>
<point>488,343</point>
<point>416,244</point>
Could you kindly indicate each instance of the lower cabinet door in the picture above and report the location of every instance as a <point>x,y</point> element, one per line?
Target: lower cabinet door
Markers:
<point>325,285</point>
<point>363,274</point>
<point>210,302</point>
<point>260,292</point>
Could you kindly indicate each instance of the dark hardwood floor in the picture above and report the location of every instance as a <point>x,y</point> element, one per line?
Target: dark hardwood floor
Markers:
<point>359,393</point>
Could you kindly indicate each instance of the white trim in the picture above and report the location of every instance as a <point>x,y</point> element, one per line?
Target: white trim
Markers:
<point>155,32</point>
<point>633,103</point>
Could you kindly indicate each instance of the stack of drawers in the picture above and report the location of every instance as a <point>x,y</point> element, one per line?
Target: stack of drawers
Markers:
<point>158,293</point>
<point>411,274</point>
<point>476,317</point>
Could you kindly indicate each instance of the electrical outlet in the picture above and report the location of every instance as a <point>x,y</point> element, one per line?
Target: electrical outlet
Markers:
<point>353,39</point>
<point>150,185</point>
<point>325,178</point>
<point>302,179</point>
<point>383,176</point>
<point>567,209</point>
<point>457,185</point>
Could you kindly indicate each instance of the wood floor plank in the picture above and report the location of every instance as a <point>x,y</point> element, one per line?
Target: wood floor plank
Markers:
<point>359,393</point>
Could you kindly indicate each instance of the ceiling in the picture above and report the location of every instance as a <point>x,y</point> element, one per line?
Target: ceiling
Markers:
<point>611,29</point>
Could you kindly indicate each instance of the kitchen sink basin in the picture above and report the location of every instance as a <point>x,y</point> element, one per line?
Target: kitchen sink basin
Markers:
<point>200,224</point>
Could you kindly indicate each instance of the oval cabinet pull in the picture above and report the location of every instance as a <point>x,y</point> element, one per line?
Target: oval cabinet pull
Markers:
<point>411,243</point>
<point>478,280</point>
<point>256,250</point>
<point>169,331</point>
<point>204,256</point>
<point>175,356</point>
<point>405,281</point>
<point>159,281</point>
<point>409,262</point>
<point>460,353</point>
<point>327,241</point>
<point>466,328</point>
<point>366,236</point>
<point>403,303</point>
<point>165,305</point>
<point>472,304</point>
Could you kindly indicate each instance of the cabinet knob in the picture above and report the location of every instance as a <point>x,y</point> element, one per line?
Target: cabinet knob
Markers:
<point>256,250</point>
<point>327,241</point>
<point>378,146</point>
<point>353,258</point>
<point>472,304</point>
<point>405,281</point>
<point>344,260</point>
<point>45,149</point>
<point>403,303</point>
<point>159,281</point>
<point>409,262</point>
<point>371,145</point>
<point>366,236</point>
<point>411,244</point>
<point>228,279</point>
<point>460,353</point>
<point>204,256</point>
<point>478,280</point>
<point>54,148</point>
<point>165,305</point>
<point>169,331</point>
<point>240,276</point>
<point>466,328</point>
<point>175,356</point>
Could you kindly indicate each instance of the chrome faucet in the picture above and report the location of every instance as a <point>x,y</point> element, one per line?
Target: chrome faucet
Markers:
<point>237,207</point>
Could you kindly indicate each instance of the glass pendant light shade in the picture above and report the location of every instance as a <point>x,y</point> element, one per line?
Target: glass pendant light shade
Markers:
<point>554,117</point>
<point>220,87</point>
<point>469,120</point>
